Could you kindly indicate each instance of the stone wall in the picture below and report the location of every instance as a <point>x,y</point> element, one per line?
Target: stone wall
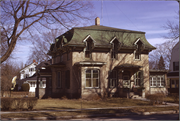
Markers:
<point>110,64</point>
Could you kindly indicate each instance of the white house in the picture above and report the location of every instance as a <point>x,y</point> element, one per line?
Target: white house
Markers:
<point>28,71</point>
<point>173,75</point>
<point>28,75</point>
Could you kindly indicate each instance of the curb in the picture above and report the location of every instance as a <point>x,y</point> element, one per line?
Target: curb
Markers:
<point>89,116</point>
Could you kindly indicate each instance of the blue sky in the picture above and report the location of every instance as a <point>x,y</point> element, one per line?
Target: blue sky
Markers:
<point>146,16</point>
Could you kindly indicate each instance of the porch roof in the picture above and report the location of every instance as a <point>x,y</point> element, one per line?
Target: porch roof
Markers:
<point>128,66</point>
<point>170,74</point>
<point>57,65</point>
<point>90,63</point>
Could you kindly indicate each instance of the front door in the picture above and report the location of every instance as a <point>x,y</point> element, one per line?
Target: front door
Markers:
<point>126,81</point>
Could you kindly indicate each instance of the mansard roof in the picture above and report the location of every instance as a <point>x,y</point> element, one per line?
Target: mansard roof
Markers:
<point>102,35</point>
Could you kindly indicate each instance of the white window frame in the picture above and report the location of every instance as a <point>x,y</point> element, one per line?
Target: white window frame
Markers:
<point>135,79</point>
<point>152,81</point>
<point>92,78</point>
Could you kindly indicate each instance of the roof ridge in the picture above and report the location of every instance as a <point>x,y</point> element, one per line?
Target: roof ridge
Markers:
<point>105,28</point>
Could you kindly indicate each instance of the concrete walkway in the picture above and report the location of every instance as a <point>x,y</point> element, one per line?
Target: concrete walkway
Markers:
<point>169,104</point>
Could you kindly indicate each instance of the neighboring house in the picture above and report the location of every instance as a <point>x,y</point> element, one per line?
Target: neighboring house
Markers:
<point>158,81</point>
<point>98,60</point>
<point>173,75</point>
<point>28,71</point>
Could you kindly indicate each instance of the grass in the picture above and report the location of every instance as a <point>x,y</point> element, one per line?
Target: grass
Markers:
<point>57,104</point>
<point>90,112</point>
<point>171,99</point>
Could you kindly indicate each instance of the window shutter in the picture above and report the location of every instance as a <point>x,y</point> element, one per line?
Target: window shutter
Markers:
<point>142,78</point>
<point>109,78</point>
<point>173,66</point>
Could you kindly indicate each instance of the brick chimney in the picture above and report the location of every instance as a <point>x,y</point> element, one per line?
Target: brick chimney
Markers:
<point>34,60</point>
<point>97,21</point>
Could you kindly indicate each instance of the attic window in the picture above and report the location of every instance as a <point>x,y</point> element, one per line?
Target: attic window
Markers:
<point>115,46</point>
<point>88,50</point>
<point>137,52</point>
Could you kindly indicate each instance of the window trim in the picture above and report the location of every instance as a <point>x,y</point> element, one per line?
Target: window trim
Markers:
<point>139,78</point>
<point>151,76</point>
<point>92,78</point>
<point>138,55</point>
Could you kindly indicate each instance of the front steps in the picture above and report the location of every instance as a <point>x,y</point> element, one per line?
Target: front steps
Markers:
<point>134,96</point>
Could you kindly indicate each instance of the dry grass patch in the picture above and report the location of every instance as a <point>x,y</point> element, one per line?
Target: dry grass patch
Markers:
<point>57,104</point>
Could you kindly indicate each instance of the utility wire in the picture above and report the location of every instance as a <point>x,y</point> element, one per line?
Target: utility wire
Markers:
<point>126,16</point>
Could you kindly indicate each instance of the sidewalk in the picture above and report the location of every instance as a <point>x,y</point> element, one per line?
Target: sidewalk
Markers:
<point>169,104</point>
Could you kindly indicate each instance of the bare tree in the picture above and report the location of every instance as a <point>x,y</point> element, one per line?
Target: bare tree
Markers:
<point>22,17</point>
<point>164,49</point>
<point>41,46</point>
<point>173,29</point>
<point>9,69</point>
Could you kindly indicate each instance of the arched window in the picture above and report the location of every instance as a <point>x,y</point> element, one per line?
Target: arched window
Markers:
<point>115,48</point>
<point>137,52</point>
<point>88,49</point>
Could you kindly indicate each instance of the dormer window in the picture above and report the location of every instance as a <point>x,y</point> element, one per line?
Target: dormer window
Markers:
<point>89,42</point>
<point>137,52</point>
<point>88,49</point>
<point>115,47</point>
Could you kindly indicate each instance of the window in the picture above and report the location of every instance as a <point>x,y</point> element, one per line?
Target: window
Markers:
<point>58,79</point>
<point>44,84</point>
<point>61,58</point>
<point>33,84</point>
<point>174,83</point>
<point>27,75</point>
<point>67,79</point>
<point>137,52</point>
<point>92,78</point>
<point>175,66</point>
<point>88,49</point>
<point>112,78</point>
<point>114,52</point>
<point>157,81</point>
<point>137,55</point>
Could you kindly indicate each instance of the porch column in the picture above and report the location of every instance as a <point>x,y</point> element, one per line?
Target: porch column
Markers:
<point>41,82</point>
<point>37,87</point>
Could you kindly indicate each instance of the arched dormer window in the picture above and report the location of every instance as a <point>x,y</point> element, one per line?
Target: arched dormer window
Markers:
<point>115,47</point>
<point>89,42</point>
<point>137,53</point>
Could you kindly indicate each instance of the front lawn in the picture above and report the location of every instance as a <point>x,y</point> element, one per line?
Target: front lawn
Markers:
<point>57,104</point>
<point>122,112</point>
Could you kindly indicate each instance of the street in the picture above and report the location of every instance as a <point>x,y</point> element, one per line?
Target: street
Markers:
<point>136,117</point>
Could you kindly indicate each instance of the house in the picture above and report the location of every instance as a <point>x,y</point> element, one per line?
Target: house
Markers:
<point>173,75</point>
<point>97,60</point>
<point>28,75</point>
<point>28,71</point>
<point>158,81</point>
